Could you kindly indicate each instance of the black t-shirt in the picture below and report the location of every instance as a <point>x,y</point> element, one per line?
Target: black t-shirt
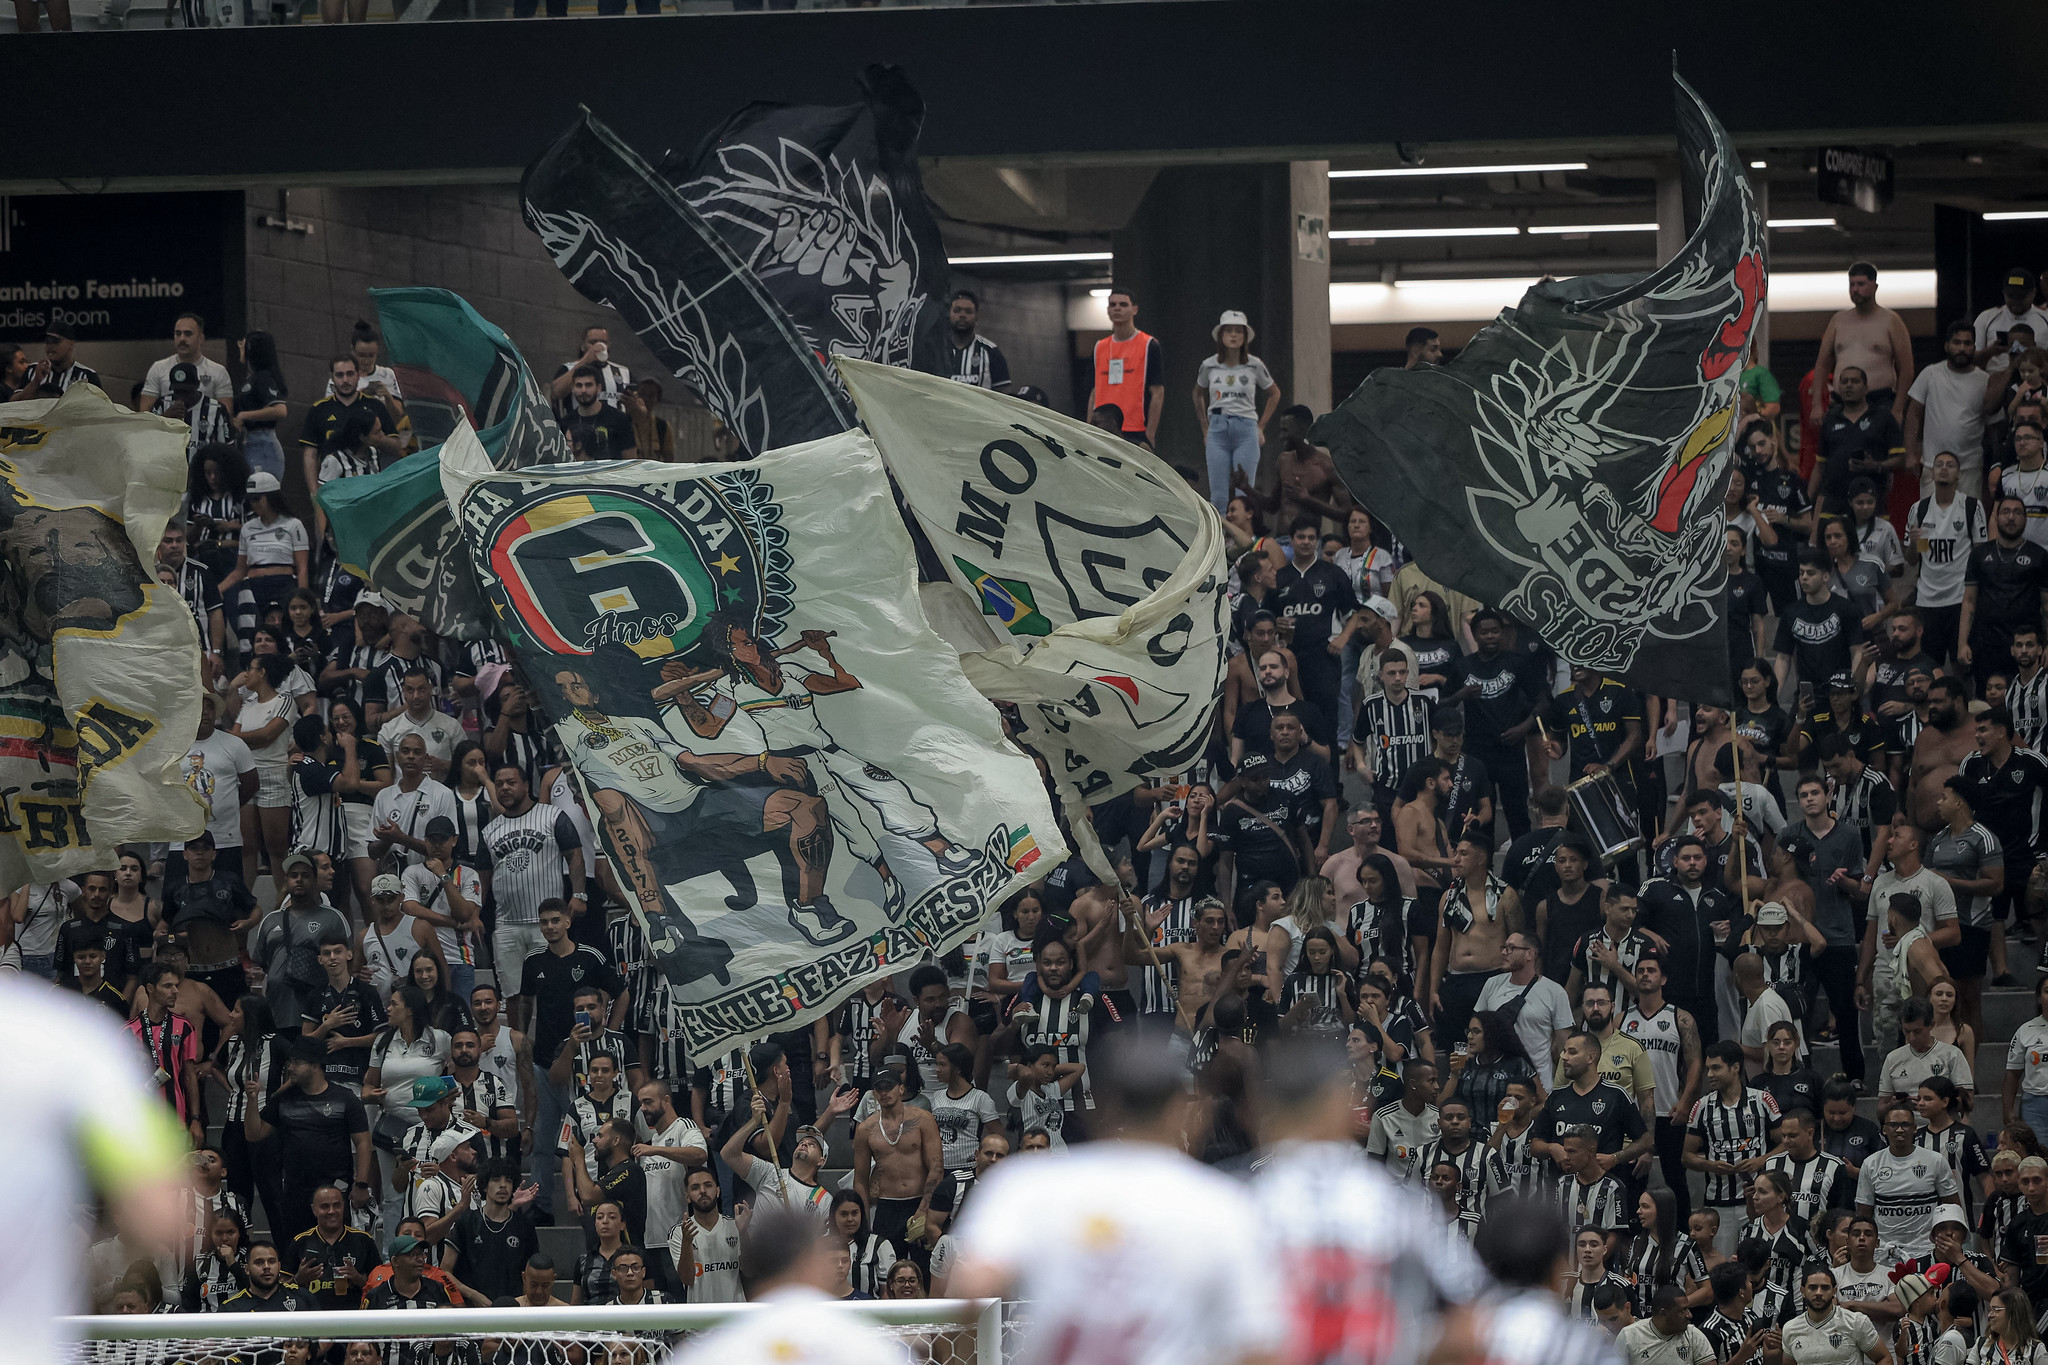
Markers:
<point>626,1183</point>
<point>428,1294</point>
<point>1668,910</point>
<point>1820,638</point>
<point>1527,865</point>
<point>316,1132</point>
<point>1433,654</point>
<point>490,1258</point>
<point>1780,490</point>
<point>259,390</point>
<point>1593,725</point>
<point>109,934</point>
<point>217,899</point>
<point>1254,724</point>
<point>1852,449</point>
<point>1471,783</point>
<point>1564,924</point>
<point>348,1064</point>
<point>1853,1144</point>
<point>1508,685</point>
<point>1261,853</point>
<point>1606,1107</point>
<point>285,1298</point>
<point>1888,676</point>
<point>2009,581</point>
<point>605,435</point>
<point>2026,1247</point>
<point>1318,600</point>
<point>353,1250</point>
<point>551,982</point>
<point>1748,603</point>
<point>328,418</point>
<point>1766,732</point>
<point>1798,1088</point>
<point>2007,800</point>
<point>1307,782</point>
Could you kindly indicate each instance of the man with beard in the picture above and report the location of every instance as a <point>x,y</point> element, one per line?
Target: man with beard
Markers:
<point>1941,530</point>
<point>1469,803</point>
<point>976,359</point>
<point>1169,919</point>
<point>1252,731</point>
<point>268,1291</point>
<point>1197,965</point>
<point>1306,780</point>
<point>1905,729</point>
<point>1966,855</point>
<point>1316,596</point>
<point>1241,685</point>
<point>2005,785</point>
<point>1682,911</point>
<point>2005,583</point>
<point>1366,826</point>
<point>1939,749</point>
<point>1500,690</point>
<point>1622,1062</point>
<point>2026,694</point>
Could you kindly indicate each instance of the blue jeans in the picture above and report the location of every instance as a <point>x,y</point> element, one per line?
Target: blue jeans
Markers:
<point>40,964</point>
<point>1233,445</point>
<point>1347,697</point>
<point>551,1103</point>
<point>262,450</point>
<point>461,980</point>
<point>2034,1113</point>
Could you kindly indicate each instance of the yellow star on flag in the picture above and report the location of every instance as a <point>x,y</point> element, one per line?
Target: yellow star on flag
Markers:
<point>726,563</point>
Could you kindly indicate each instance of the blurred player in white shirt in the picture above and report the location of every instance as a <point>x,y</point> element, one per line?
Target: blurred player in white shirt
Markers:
<point>1525,1244</point>
<point>1114,1243</point>
<point>786,1264</point>
<point>1370,1270</point>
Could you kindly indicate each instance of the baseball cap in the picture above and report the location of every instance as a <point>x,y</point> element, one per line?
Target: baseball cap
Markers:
<point>1251,760</point>
<point>1950,1213</point>
<point>429,1091</point>
<point>1772,913</point>
<point>1449,720</point>
<point>1841,682</point>
<point>370,597</point>
<point>404,1244</point>
<point>184,373</point>
<point>2018,277</point>
<point>61,330</point>
<point>262,481</point>
<point>298,857</point>
<point>440,827</point>
<point>816,1134</point>
<point>385,884</point>
<point>306,1049</point>
<point>1385,608</point>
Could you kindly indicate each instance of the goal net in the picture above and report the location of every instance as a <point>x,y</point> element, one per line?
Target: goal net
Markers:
<point>937,1331</point>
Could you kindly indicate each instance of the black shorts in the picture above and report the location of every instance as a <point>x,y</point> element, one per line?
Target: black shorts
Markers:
<point>890,1220</point>
<point>1971,957</point>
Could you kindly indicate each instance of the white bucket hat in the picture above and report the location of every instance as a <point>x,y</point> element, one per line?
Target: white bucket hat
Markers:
<point>1232,318</point>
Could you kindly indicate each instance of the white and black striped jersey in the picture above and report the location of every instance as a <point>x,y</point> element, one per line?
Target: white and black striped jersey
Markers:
<point>1155,995</point>
<point>207,418</point>
<point>471,815</point>
<point>1062,1025</point>
<point>318,825</point>
<point>1662,1042</point>
<point>1735,1133</point>
<point>529,860</point>
<point>859,1018</point>
<point>1324,991</point>
<point>1578,1293</point>
<point>1528,1329</point>
<point>1767,1309</point>
<point>525,750</point>
<point>56,382</point>
<point>1628,951</point>
<point>1395,736</point>
<point>1913,1343</point>
<point>1964,1152</point>
<point>1786,968</point>
<point>486,1095</point>
<point>1603,1204</point>
<point>1380,933</point>
<point>1821,1182</point>
<point>369,658</point>
<point>586,1115</point>
<point>629,956</point>
<point>1723,1333</point>
<point>1866,801</point>
<point>1788,1248</point>
<point>1512,1166</point>
<point>873,1254</point>
<point>607,1043</point>
<point>2027,699</point>
<point>1471,1164</point>
<point>726,1088</point>
<point>1652,1267</point>
<point>980,363</point>
<point>241,1062</point>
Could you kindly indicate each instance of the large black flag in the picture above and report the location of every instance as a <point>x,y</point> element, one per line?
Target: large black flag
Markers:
<point>1568,466</point>
<point>625,238</point>
<point>825,205</point>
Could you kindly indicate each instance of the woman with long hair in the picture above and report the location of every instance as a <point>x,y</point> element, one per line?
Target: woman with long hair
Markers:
<point>1855,575</point>
<point>408,1048</point>
<point>1379,927</point>
<point>964,1112</point>
<point>905,1281</point>
<point>264,724</point>
<point>358,806</point>
<point>1771,1200</point>
<point>305,637</point>
<point>1490,1059</point>
<point>1319,983</point>
<point>2010,1337</point>
<point>1758,718</point>
<point>297,684</point>
<point>1308,908</point>
<point>1831,1234</point>
<point>272,558</point>
<point>136,914</point>
<point>446,1010</point>
<point>592,1279</point>
<point>1943,998</point>
<point>1432,637</point>
<point>250,1048</point>
<point>1792,1085</point>
<point>1661,1254</point>
<point>1009,957</point>
<point>1939,1104</point>
<point>1749,602</point>
<point>1228,388</point>
<point>215,506</point>
<point>222,1268</point>
<point>260,405</point>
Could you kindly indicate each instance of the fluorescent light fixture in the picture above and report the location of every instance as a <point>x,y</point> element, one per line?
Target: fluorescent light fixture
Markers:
<point>1800,222</point>
<point>2015,215</point>
<point>1581,229</point>
<point>1404,172</point>
<point>1759,165</point>
<point>1043,258</point>
<point>1098,293</point>
<point>1369,234</point>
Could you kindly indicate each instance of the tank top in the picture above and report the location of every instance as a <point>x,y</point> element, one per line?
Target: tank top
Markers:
<point>502,1061</point>
<point>1657,1035</point>
<point>390,954</point>
<point>1120,376</point>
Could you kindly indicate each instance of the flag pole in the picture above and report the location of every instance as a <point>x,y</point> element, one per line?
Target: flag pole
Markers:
<point>1741,825</point>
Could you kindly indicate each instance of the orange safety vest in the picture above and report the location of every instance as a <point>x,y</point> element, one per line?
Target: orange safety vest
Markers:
<point>1120,376</point>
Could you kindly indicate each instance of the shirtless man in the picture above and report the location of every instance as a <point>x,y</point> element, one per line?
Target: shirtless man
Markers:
<point>1099,917</point>
<point>1419,825</point>
<point>1711,730</point>
<point>1198,965</point>
<point>1944,742</point>
<point>1306,482</point>
<point>197,1002</point>
<point>898,1157</point>
<point>1477,914</point>
<point>1241,680</point>
<point>1341,867</point>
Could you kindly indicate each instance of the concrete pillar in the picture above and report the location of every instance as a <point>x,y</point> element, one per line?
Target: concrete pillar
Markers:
<point>1308,188</point>
<point>1670,213</point>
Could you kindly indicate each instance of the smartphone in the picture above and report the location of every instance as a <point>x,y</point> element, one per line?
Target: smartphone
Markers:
<point>583,1018</point>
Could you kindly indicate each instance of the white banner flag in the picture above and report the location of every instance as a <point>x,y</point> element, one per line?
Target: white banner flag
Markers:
<point>1092,575</point>
<point>788,771</point>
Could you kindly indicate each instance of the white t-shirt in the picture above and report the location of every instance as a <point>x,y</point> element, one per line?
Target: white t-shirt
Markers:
<point>214,380</point>
<point>1937,898</point>
<point>775,1186</point>
<point>266,544</point>
<point>1944,536</point>
<point>666,1176</point>
<point>1759,807</point>
<point>271,757</point>
<point>81,1105</point>
<point>1905,1191</point>
<point>1843,1337</point>
<point>1855,1286</point>
<point>960,1123</point>
<point>1234,389</point>
<point>1398,1138</point>
<point>1770,1007</point>
<point>1954,420</point>
<point>213,769</point>
<point>1879,541</point>
<point>2028,1054</point>
<point>424,887</point>
<point>717,1254</point>
<point>1642,1344</point>
<point>805,1328</point>
<point>1545,1008</point>
<point>1040,1107</point>
<point>1904,1068</point>
<point>1992,321</point>
<point>1116,1242</point>
<point>412,811</point>
<point>441,733</point>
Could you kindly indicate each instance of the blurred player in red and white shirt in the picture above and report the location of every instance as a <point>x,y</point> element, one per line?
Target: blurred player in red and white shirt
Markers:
<point>1113,1243</point>
<point>1372,1272</point>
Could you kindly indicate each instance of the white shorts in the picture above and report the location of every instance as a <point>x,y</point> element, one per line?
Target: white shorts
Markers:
<point>511,945</point>
<point>273,787</point>
<point>360,819</point>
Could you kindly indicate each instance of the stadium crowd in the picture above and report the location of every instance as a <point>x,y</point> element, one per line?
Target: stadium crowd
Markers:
<point>1698,993</point>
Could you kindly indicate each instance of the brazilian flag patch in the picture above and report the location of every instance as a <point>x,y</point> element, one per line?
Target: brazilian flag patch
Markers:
<point>1009,601</point>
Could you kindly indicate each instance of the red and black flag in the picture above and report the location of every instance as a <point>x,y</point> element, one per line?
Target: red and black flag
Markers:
<point>1568,466</point>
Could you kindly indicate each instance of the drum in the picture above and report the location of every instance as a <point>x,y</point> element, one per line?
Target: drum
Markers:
<point>1604,811</point>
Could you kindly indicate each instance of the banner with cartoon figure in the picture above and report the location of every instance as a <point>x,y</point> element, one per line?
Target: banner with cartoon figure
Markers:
<point>1087,578</point>
<point>99,662</point>
<point>789,772</point>
<point>1568,466</point>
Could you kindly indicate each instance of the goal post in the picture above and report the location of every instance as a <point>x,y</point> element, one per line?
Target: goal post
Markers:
<point>971,1330</point>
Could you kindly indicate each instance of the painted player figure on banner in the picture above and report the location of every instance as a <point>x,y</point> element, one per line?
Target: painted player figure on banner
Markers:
<point>748,700</point>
